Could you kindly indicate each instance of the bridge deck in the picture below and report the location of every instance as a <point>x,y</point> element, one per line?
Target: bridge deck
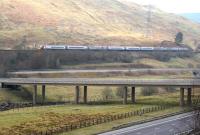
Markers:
<point>103,81</point>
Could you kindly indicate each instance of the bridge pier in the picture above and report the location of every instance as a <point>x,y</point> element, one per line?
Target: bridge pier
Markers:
<point>85,95</point>
<point>77,94</point>
<point>125,95</point>
<point>2,85</point>
<point>189,96</point>
<point>34,94</point>
<point>43,93</point>
<point>182,102</point>
<point>133,94</point>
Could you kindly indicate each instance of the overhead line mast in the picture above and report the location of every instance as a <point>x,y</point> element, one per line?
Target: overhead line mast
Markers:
<point>148,33</point>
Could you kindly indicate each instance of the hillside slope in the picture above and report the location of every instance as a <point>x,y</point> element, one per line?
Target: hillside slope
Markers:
<point>24,23</point>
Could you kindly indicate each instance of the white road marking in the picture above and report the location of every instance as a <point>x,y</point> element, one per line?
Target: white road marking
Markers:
<point>128,130</point>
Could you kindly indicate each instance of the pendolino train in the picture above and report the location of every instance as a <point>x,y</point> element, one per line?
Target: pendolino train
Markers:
<point>112,48</point>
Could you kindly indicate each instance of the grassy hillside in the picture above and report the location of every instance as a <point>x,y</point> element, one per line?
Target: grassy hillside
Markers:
<point>26,23</point>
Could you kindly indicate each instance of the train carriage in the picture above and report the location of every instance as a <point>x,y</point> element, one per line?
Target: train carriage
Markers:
<point>70,47</point>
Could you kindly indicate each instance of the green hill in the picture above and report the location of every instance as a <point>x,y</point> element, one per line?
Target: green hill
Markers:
<point>26,23</point>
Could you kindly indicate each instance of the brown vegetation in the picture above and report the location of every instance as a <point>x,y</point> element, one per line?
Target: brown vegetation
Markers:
<point>115,22</point>
<point>21,60</point>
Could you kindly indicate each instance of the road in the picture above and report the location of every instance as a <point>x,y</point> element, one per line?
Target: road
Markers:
<point>167,126</point>
<point>104,82</point>
<point>105,70</point>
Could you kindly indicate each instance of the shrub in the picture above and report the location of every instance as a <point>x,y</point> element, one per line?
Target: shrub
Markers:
<point>190,65</point>
<point>107,93</point>
<point>120,92</point>
<point>148,91</point>
<point>179,38</point>
<point>170,89</point>
<point>198,66</point>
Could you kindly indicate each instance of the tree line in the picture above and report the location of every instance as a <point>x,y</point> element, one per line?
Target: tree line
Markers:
<point>53,59</point>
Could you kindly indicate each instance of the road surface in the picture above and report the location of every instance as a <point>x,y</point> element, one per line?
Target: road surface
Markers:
<point>103,81</point>
<point>105,70</point>
<point>167,126</point>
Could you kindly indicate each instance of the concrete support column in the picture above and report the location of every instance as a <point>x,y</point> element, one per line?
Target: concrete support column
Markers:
<point>2,85</point>
<point>34,94</point>
<point>43,93</point>
<point>133,94</point>
<point>85,95</point>
<point>189,96</point>
<point>77,94</point>
<point>125,95</point>
<point>182,102</point>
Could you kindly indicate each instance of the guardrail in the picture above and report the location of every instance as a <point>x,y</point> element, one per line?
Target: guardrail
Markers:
<point>188,132</point>
<point>184,132</point>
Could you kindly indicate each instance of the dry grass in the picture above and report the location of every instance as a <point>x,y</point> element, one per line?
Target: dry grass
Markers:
<point>40,118</point>
<point>24,121</point>
<point>86,22</point>
<point>109,126</point>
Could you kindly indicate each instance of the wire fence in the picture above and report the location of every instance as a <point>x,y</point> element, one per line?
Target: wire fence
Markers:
<point>69,126</point>
<point>196,100</point>
<point>98,120</point>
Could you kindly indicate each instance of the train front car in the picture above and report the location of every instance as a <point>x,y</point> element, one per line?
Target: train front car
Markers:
<point>54,47</point>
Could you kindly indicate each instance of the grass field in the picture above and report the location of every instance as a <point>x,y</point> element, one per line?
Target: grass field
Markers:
<point>43,118</point>
<point>109,126</point>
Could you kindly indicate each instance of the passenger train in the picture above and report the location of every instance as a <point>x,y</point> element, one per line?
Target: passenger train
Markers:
<point>112,48</point>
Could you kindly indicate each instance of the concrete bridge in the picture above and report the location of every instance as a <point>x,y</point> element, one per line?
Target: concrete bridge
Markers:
<point>183,84</point>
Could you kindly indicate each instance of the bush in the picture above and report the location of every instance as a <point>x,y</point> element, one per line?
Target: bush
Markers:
<point>148,91</point>
<point>190,65</point>
<point>170,89</point>
<point>198,66</point>
<point>179,38</point>
<point>120,92</point>
<point>107,93</point>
